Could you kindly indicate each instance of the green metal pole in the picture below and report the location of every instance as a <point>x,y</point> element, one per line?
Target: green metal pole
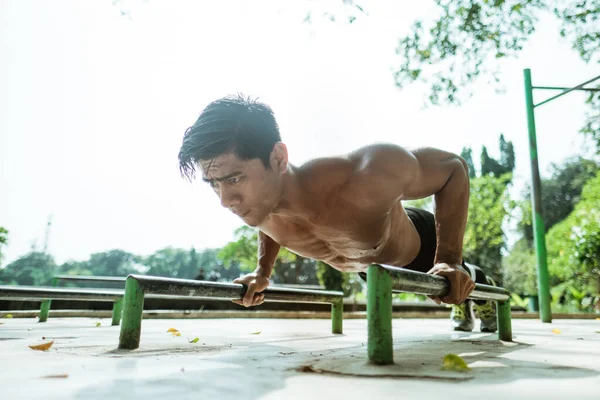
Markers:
<point>337,316</point>
<point>116,313</point>
<point>504,321</point>
<point>133,307</point>
<point>45,307</point>
<point>536,203</point>
<point>379,316</point>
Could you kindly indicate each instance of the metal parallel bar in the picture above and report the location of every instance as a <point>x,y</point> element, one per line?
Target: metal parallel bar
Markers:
<point>405,280</point>
<point>41,293</point>
<point>565,88</point>
<point>45,307</point>
<point>536,205</point>
<point>85,278</point>
<point>229,291</point>
<point>578,87</point>
<point>116,312</point>
<point>379,316</point>
<point>133,309</point>
<point>504,321</point>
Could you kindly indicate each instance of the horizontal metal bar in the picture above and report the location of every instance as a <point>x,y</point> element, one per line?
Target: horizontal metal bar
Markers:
<point>88,278</point>
<point>567,91</point>
<point>405,280</point>
<point>41,293</point>
<point>565,88</point>
<point>230,291</point>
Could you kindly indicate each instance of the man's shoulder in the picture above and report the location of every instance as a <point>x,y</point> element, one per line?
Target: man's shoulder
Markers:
<point>348,171</point>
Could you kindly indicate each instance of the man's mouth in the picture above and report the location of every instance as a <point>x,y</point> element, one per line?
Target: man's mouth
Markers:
<point>242,215</point>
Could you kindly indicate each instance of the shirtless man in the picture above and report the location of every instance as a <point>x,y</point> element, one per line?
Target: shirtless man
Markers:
<point>344,211</point>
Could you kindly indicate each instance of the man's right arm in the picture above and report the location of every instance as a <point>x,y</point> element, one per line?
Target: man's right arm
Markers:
<point>268,250</point>
<point>258,281</point>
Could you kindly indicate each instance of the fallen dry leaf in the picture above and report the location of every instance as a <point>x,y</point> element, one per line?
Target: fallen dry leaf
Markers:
<point>177,333</point>
<point>98,324</point>
<point>557,331</point>
<point>42,347</point>
<point>194,340</point>
<point>453,362</point>
<point>55,376</point>
<point>172,330</point>
<point>1,323</point>
<point>256,333</point>
<point>307,368</point>
<point>8,316</point>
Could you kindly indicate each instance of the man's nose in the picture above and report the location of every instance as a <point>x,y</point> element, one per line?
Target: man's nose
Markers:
<point>228,198</point>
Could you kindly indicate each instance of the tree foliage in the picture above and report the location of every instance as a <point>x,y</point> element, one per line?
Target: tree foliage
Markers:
<point>3,241</point>
<point>34,268</point>
<point>574,248</point>
<point>559,195</point>
<point>484,240</point>
<point>467,39</point>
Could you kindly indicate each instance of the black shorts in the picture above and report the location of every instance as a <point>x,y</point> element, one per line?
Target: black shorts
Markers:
<point>424,223</point>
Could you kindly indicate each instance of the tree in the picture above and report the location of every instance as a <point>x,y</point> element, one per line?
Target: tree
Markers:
<point>497,168</point>
<point>289,267</point>
<point>484,239</point>
<point>466,154</point>
<point>467,39</point>
<point>3,241</point>
<point>243,251</point>
<point>113,263</point>
<point>560,193</point>
<point>169,262</point>
<point>574,249</point>
<point>34,268</point>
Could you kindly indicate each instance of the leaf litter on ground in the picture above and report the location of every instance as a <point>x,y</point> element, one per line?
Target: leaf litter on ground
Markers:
<point>452,362</point>
<point>42,347</point>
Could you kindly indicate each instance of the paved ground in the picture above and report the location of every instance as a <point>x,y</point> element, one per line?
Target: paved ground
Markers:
<point>294,359</point>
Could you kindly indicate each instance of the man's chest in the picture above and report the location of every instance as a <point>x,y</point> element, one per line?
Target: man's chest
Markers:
<point>337,237</point>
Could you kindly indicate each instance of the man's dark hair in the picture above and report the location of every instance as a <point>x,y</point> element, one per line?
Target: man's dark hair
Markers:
<point>235,124</point>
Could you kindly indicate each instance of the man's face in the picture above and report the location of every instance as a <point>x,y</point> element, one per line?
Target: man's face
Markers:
<point>246,188</point>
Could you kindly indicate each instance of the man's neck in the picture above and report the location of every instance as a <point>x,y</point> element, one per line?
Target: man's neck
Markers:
<point>291,200</point>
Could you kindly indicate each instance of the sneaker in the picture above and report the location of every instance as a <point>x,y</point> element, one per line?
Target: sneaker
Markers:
<point>462,317</point>
<point>486,312</point>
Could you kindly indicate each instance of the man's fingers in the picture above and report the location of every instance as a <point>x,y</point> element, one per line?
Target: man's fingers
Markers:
<point>238,302</point>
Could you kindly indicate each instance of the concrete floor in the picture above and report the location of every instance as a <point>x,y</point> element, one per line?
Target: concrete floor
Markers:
<point>294,359</point>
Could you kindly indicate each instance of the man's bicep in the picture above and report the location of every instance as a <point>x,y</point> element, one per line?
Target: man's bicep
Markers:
<point>432,171</point>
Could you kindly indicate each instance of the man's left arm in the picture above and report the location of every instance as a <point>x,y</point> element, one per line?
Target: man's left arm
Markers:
<point>395,174</point>
<point>446,176</point>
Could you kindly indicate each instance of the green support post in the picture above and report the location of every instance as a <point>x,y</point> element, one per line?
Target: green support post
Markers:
<point>337,316</point>
<point>133,307</point>
<point>45,307</point>
<point>536,203</point>
<point>379,316</point>
<point>116,313</point>
<point>504,321</point>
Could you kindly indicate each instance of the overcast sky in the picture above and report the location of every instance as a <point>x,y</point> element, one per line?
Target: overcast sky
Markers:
<point>93,107</point>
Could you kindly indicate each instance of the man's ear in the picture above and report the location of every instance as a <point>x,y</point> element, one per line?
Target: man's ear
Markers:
<point>279,158</point>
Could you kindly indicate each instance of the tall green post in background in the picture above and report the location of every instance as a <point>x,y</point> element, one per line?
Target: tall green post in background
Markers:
<point>536,206</point>
<point>536,196</point>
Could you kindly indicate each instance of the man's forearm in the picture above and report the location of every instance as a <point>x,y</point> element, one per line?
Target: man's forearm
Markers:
<point>268,250</point>
<point>451,211</point>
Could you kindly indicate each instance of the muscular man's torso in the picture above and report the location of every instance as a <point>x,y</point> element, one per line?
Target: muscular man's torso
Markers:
<point>346,232</point>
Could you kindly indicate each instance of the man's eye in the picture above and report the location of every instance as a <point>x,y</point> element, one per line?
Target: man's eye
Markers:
<point>213,184</point>
<point>235,179</point>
